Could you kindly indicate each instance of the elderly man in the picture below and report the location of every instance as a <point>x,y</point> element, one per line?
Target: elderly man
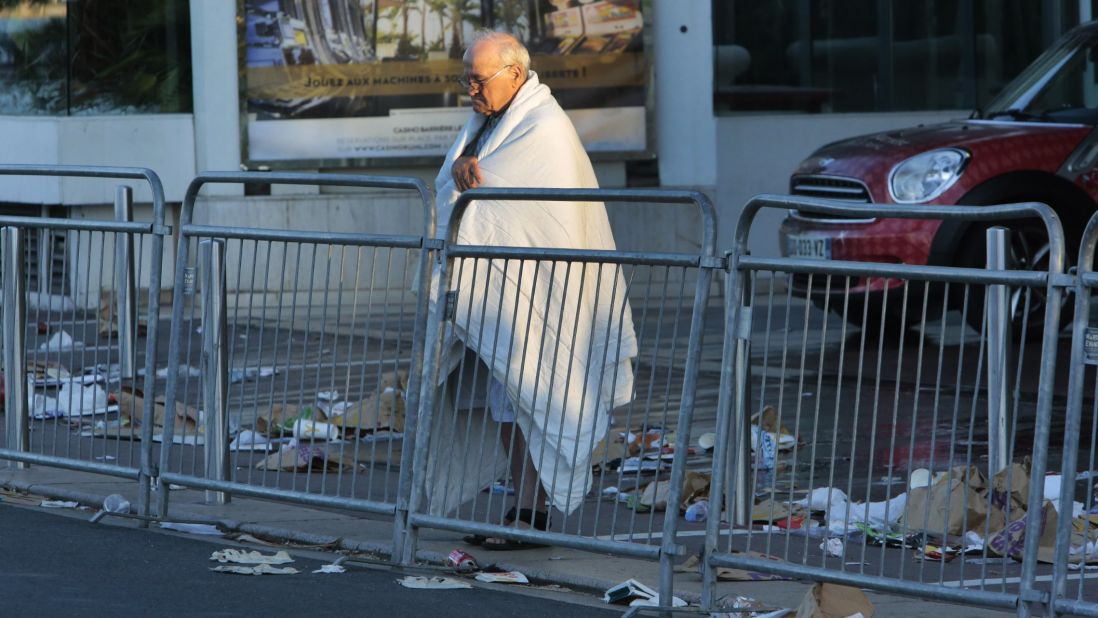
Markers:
<point>556,337</point>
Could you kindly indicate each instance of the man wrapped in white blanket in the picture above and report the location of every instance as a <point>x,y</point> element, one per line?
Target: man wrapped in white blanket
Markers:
<point>557,338</point>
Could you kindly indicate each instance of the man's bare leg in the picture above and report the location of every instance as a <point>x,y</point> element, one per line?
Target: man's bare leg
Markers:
<point>528,490</point>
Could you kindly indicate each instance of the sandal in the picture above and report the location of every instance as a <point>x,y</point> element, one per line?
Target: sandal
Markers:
<point>538,520</point>
<point>478,539</point>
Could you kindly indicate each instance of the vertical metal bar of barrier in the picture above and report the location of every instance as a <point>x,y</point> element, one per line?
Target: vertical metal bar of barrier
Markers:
<point>125,287</point>
<point>742,497</point>
<point>215,365</point>
<point>1031,599</point>
<point>998,349</point>
<point>670,547</point>
<point>1074,414</point>
<point>731,481</point>
<point>15,319</point>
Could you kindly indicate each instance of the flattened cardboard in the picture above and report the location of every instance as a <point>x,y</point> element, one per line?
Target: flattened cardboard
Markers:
<point>834,601</point>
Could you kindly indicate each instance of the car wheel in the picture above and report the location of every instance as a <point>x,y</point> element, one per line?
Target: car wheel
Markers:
<point>1028,249</point>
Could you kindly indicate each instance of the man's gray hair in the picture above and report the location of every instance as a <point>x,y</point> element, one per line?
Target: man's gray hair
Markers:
<point>511,50</point>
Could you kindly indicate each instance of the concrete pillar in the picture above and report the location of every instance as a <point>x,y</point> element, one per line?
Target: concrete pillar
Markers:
<point>216,90</point>
<point>686,130</point>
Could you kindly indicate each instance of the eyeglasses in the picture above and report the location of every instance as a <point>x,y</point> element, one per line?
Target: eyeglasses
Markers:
<point>468,82</point>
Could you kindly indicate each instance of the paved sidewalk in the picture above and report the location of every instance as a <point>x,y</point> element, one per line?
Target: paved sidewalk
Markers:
<point>571,568</point>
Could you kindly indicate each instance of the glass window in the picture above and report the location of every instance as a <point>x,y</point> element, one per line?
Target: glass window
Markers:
<point>875,55</point>
<point>84,57</point>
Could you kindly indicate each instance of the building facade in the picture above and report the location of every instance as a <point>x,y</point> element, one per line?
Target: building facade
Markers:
<point>738,93</point>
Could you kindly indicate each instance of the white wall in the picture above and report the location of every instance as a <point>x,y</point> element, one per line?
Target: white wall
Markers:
<point>162,142</point>
<point>757,154</point>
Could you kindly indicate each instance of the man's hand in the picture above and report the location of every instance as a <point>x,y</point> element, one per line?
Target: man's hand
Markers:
<point>466,173</point>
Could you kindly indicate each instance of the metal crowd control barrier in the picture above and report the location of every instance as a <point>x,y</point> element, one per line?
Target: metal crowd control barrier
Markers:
<point>588,304</point>
<point>79,337</point>
<point>845,418</point>
<point>1077,536</point>
<point>304,335</point>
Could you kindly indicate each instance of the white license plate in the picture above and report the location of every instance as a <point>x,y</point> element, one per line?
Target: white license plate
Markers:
<point>808,246</point>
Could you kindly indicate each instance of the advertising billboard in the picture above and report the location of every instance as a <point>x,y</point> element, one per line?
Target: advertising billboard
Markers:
<point>337,82</point>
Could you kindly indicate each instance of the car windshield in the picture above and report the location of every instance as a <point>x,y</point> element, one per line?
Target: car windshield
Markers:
<point>1060,86</point>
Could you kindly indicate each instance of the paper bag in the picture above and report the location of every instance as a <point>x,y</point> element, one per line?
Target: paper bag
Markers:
<point>834,601</point>
<point>1009,495</point>
<point>951,506</point>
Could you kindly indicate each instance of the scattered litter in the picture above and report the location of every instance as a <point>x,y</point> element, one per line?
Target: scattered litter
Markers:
<point>888,538</point>
<point>807,394</point>
<point>833,547</point>
<point>636,594</point>
<point>1086,474</point>
<point>307,429</point>
<point>740,606</point>
<point>699,511</point>
<point>501,489</point>
<point>184,370</point>
<point>305,458</point>
<point>762,443</point>
<point>936,553</point>
<point>610,491</point>
<point>240,556</point>
<point>462,562</point>
<point>693,564</point>
<point>106,458</point>
<point>382,436</point>
<point>1083,567</point>
<point>248,440</point>
<point>327,396</point>
<point>250,373</point>
<point>58,504</point>
<point>502,577</point>
<point>115,503</point>
<point>767,421</point>
<point>827,600</point>
<point>635,502</point>
<point>259,569</point>
<point>75,399</point>
<point>196,437</point>
<point>60,341</point>
<point>999,561</point>
<point>201,529</point>
<point>331,568</point>
<point>43,407</point>
<point>707,440</point>
<point>432,583</point>
<point>973,541</point>
<point>636,464</point>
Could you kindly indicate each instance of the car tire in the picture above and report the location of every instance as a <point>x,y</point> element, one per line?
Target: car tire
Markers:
<point>1027,250</point>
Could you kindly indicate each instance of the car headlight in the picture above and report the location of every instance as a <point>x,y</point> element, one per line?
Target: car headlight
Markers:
<point>926,176</point>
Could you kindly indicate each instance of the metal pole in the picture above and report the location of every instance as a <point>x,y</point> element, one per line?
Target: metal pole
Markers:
<point>15,319</point>
<point>741,498</point>
<point>125,285</point>
<point>215,365</point>
<point>998,350</point>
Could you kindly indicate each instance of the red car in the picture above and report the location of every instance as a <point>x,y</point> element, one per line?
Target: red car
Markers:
<point>1036,142</point>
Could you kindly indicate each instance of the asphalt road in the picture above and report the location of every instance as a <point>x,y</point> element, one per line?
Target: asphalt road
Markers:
<point>57,563</point>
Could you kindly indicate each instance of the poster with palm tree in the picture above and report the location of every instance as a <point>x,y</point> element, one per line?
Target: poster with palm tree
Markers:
<point>340,81</point>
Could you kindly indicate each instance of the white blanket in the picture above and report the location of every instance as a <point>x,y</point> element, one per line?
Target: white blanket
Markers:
<point>559,337</point>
